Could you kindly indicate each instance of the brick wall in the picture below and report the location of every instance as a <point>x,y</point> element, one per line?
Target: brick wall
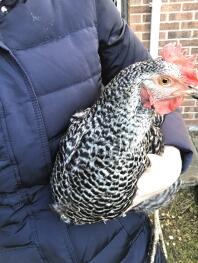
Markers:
<point>178,22</point>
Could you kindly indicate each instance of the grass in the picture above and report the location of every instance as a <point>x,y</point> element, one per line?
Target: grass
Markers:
<point>179,223</point>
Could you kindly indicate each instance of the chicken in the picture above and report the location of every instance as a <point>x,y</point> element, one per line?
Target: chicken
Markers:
<point>104,151</point>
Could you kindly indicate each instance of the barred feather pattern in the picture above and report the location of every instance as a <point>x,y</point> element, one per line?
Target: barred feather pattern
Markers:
<point>104,151</point>
<point>159,200</point>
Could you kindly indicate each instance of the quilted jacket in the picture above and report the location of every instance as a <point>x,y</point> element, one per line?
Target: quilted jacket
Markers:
<point>54,55</point>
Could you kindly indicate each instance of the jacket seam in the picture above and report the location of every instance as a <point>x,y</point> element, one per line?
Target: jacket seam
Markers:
<point>138,233</point>
<point>9,149</point>
<point>53,39</point>
<point>35,235</point>
<point>60,89</point>
<point>37,111</point>
<point>122,225</point>
<point>70,247</point>
<point>96,19</point>
<point>109,241</point>
<point>70,85</point>
<point>8,250</point>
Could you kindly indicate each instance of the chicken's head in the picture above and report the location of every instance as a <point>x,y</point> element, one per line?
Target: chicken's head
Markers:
<point>175,78</point>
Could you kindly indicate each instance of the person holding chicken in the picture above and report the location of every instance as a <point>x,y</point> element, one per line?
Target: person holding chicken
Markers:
<point>55,56</point>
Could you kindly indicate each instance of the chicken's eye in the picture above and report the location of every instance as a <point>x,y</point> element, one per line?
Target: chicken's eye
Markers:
<point>164,81</point>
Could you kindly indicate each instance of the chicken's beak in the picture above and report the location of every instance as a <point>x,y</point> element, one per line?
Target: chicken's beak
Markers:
<point>194,92</point>
<point>191,91</point>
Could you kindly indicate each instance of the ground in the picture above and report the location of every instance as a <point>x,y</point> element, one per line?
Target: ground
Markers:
<point>180,227</point>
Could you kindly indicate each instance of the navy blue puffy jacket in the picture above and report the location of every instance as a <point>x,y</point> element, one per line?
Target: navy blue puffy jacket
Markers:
<point>54,54</point>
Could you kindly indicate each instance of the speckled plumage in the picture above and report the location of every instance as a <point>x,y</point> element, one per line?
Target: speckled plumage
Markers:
<point>104,151</point>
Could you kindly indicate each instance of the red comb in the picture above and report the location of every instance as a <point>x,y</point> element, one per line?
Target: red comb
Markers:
<point>174,54</point>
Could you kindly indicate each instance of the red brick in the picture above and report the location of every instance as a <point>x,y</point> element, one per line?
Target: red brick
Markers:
<point>141,27</point>
<point>171,7</point>
<point>146,2</point>
<point>139,9</point>
<point>162,35</point>
<point>188,116</point>
<point>147,18</point>
<point>145,36</point>
<point>190,6</point>
<point>188,102</point>
<point>169,26</point>
<point>195,33</point>
<point>189,25</point>
<point>194,51</point>
<point>196,15</point>
<point>163,17</point>
<point>178,34</point>
<point>192,42</point>
<point>191,109</point>
<point>135,2</point>
<point>135,19</point>
<point>181,16</point>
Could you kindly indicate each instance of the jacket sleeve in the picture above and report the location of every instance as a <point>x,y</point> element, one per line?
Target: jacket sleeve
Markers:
<point>175,134</point>
<point>118,48</point>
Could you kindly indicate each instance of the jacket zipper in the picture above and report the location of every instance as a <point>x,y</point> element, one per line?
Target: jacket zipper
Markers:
<point>40,121</point>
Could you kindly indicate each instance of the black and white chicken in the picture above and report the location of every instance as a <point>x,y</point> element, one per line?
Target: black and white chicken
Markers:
<point>104,151</point>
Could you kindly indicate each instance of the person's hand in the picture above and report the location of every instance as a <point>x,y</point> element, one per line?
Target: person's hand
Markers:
<point>162,173</point>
